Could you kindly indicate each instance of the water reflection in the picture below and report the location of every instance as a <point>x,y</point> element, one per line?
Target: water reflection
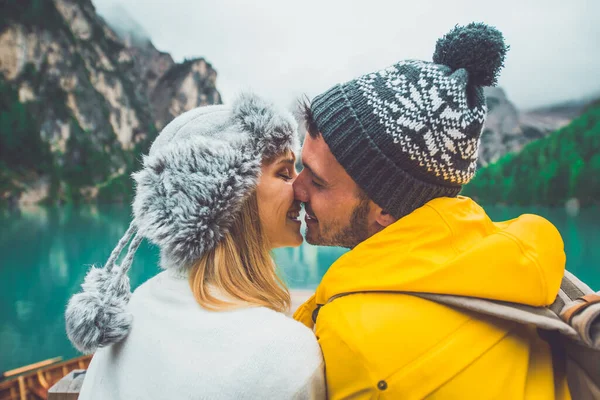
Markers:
<point>46,253</point>
<point>304,266</point>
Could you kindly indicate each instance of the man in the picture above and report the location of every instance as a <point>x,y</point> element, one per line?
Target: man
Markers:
<point>384,160</point>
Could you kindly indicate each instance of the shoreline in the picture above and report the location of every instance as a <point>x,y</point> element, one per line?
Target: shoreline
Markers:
<point>298,297</point>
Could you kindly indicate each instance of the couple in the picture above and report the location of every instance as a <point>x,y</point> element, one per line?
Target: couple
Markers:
<point>384,159</point>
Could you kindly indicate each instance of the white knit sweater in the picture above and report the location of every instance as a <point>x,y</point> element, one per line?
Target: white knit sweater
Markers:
<point>178,350</point>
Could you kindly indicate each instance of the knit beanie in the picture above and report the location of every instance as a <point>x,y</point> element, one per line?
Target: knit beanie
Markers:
<point>410,133</point>
<point>197,175</point>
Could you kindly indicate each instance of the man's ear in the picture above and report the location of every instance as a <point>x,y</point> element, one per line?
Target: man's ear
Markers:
<point>384,218</point>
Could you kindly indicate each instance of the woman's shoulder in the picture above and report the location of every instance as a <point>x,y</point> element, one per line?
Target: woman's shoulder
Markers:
<point>287,345</point>
<point>283,322</point>
<point>286,334</point>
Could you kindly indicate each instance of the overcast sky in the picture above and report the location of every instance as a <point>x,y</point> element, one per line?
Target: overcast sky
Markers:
<point>282,48</point>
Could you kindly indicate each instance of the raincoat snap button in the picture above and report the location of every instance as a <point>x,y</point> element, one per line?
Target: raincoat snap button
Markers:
<point>382,385</point>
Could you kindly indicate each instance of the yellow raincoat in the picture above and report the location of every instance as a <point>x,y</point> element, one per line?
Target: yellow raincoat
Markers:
<point>381,344</point>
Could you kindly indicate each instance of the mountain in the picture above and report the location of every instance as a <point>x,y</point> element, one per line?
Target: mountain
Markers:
<point>172,88</point>
<point>550,171</point>
<point>79,102</point>
<point>508,129</point>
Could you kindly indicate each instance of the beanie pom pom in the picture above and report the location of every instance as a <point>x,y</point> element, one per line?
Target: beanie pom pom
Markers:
<point>478,48</point>
<point>97,316</point>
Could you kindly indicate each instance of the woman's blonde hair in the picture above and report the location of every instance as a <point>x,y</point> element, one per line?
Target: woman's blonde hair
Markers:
<point>241,267</point>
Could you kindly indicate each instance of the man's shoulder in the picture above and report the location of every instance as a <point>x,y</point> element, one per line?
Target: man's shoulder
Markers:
<point>381,317</point>
<point>390,331</point>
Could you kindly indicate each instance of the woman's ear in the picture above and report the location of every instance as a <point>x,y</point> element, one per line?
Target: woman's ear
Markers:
<point>384,218</point>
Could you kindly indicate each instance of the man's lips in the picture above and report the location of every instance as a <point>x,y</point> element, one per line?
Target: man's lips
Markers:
<point>310,220</point>
<point>310,217</point>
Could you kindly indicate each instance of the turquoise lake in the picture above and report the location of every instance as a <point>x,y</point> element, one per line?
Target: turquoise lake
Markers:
<point>45,253</point>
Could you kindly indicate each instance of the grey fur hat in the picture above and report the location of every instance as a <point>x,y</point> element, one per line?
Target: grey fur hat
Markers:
<point>198,173</point>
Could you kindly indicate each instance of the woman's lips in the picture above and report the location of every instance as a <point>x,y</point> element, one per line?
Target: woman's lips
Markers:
<point>294,215</point>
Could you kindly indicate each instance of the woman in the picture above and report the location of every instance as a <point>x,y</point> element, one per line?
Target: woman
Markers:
<point>215,194</point>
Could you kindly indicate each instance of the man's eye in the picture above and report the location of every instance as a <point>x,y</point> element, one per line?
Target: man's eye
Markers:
<point>315,184</point>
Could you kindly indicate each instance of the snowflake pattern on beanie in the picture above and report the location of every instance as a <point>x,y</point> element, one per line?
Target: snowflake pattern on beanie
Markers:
<point>427,116</point>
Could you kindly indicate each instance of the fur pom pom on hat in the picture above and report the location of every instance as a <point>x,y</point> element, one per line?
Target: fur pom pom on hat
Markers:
<point>194,180</point>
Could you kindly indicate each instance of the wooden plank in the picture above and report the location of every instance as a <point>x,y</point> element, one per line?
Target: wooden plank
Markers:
<point>33,384</point>
<point>42,379</point>
<point>31,367</point>
<point>22,388</point>
<point>67,388</point>
<point>39,392</point>
<point>10,392</point>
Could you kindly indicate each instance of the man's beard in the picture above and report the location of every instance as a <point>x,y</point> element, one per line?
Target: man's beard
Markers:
<point>348,236</point>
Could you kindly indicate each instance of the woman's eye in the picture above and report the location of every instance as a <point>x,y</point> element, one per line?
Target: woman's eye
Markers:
<point>287,177</point>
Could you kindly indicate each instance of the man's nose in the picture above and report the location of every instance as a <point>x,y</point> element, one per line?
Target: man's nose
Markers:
<point>300,192</point>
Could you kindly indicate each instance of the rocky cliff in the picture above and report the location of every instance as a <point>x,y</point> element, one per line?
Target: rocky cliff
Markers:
<point>170,87</point>
<point>507,129</point>
<point>79,102</point>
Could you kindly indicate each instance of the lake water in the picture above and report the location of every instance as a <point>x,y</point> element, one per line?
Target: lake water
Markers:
<point>45,254</point>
